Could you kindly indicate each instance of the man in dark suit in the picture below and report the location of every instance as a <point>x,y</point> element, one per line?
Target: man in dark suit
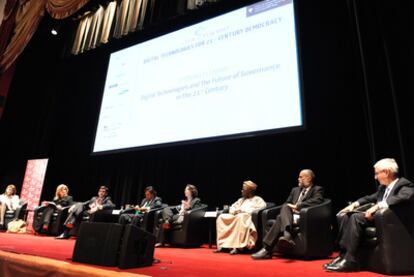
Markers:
<point>174,215</point>
<point>393,191</point>
<point>135,215</point>
<point>305,195</point>
<point>96,203</point>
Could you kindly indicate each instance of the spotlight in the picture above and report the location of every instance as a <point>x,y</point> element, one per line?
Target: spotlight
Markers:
<point>55,29</point>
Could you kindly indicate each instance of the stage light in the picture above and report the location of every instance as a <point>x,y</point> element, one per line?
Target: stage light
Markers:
<point>54,31</point>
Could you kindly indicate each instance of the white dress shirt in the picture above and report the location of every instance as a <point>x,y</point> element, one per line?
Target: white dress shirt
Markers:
<point>383,203</point>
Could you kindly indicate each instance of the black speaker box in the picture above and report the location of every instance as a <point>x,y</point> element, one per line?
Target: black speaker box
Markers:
<point>137,248</point>
<point>98,243</point>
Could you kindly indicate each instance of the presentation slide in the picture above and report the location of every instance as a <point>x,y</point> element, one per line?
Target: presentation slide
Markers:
<point>234,74</point>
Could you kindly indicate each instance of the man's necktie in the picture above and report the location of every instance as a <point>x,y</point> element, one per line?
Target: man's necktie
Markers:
<point>387,192</point>
<point>302,194</point>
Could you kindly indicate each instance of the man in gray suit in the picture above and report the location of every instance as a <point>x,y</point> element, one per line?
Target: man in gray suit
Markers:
<point>306,194</point>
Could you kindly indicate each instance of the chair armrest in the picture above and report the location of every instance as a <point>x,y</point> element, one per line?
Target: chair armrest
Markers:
<point>257,214</point>
<point>39,209</point>
<point>21,210</point>
<point>62,211</point>
<point>194,214</point>
<point>316,218</point>
<point>394,227</point>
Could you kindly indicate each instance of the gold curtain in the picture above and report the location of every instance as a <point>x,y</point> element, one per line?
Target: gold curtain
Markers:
<point>108,20</point>
<point>60,9</point>
<point>94,29</point>
<point>115,21</point>
<point>28,16</point>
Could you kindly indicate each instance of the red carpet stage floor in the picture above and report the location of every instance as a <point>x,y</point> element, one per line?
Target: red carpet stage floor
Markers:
<point>173,261</point>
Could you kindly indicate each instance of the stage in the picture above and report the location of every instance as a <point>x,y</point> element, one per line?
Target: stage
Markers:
<point>30,255</point>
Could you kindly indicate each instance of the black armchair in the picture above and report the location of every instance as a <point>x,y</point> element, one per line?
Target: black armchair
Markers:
<point>312,234</point>
<point>56,222</point>
<point>387,247</point>
<point>148,219</point>
<point>191,232</point>
<point>19,213</point>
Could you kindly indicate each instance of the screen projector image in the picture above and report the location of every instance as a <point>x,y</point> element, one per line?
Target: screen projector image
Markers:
<point>235,74</point>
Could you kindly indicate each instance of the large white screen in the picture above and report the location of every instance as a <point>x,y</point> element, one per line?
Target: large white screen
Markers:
<point>233,74</point>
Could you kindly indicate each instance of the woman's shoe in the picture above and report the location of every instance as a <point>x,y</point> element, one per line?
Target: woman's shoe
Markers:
<point>234,251</point>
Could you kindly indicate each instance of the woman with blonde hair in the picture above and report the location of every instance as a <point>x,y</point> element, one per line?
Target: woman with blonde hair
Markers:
<point>8,201</point>
<point>61,200</point>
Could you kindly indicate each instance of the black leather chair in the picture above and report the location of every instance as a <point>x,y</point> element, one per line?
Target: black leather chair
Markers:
<point>312,234</point>
<point>387,247</point>
<point>192,232</point>
<point>148,219</point>
<point>19,213</point>
<point>56,222</point>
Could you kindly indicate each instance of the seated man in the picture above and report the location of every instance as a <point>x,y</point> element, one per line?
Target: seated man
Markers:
<point>236,229</point>
<point>305,195</point>
<point>151,201</point>
<point>176,215</point>
<point>76,211</point>
<point>392,191</point>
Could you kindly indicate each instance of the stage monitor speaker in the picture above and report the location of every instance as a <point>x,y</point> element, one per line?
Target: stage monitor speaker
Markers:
<point>98,243</point>
<point>137,248</point>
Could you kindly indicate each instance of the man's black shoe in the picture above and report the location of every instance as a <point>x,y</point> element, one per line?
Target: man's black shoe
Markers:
<point>333,262</point>
<point>262,254</point>
<point>343,266</point>
<point>285,243</point>
<point>63,236</point>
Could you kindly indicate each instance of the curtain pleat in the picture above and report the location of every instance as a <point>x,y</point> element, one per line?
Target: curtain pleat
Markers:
<point>28,16</point>
<point>96,38</point>
<point>78,37</point>
<point>60,9</point>
<point>85,35</point>
<point>108,20</point>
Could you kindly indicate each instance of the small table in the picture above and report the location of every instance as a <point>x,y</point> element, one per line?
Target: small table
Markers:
<point>211,217</point>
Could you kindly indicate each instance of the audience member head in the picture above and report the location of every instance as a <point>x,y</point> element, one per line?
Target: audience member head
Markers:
<point>306,177</point>
<point>386,171</point>
<point>248,189</point>
<point>150,192</point>
<point>10,190</point>
<point>190,191</point>
<point>61,191</point>
<point>103,191</point>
